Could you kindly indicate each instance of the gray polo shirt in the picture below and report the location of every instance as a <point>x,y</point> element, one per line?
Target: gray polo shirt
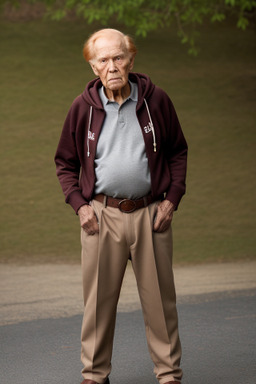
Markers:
<point>121,164</point>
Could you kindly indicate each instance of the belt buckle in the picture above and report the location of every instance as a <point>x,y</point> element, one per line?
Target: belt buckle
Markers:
<point>127,205</point>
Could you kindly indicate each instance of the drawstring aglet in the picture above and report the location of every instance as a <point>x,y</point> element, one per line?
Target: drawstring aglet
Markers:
<point>154,145</point>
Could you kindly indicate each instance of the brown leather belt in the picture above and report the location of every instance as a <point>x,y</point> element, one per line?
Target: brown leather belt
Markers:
<point>126,205</point>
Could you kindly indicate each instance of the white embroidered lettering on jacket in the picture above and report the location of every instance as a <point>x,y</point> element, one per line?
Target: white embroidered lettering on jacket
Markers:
<point>148,128</point>
<point>91,136</point>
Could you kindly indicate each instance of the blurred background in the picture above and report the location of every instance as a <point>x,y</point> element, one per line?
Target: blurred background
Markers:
<point>207,67</point>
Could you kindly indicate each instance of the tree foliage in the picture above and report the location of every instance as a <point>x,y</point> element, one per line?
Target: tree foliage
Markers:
<point>148,15</point>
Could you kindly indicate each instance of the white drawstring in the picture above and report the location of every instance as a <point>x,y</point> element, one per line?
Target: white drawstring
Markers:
<point>88,133</point>
<point>151,126</point>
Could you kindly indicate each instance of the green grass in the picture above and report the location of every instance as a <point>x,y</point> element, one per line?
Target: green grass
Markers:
<point>42,71</point>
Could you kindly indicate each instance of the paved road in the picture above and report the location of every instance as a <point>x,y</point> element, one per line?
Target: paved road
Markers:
<point>217,328</point>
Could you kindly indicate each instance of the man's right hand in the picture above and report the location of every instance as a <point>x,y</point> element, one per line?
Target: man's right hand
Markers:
<point>88,220</point>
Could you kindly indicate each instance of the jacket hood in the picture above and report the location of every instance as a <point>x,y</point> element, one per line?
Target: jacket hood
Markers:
<point>145,89</point>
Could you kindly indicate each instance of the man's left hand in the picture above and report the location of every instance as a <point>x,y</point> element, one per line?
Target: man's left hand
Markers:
<point>163,216</point>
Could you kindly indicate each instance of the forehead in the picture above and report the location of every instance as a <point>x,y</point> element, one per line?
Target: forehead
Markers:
<point>111,45</point>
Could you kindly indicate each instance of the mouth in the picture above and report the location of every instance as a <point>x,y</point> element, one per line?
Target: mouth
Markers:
<point>115,79</point>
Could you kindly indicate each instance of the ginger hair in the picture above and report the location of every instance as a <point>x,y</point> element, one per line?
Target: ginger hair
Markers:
<point>88,49</point>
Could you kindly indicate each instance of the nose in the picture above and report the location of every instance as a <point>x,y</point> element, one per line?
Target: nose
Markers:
<point>112,66</point>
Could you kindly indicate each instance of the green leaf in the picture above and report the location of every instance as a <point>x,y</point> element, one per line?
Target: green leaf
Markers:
<point>230,2</point>
<point>218,17</point>
<point>242,23</point>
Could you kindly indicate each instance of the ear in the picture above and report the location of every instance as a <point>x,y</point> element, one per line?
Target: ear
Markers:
<point>131,62</point>
<point>94,68</point>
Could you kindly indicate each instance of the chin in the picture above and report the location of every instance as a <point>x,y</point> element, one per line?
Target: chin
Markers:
<point>116,87</point>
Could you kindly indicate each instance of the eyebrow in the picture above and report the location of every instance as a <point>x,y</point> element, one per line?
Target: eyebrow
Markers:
<point>107,57</point>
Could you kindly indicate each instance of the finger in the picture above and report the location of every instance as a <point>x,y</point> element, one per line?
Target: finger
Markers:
<point>160,228</point>
<point>89,223</point>
<point>163,225</point>
<point>91,228</point>
<point>158,220</point>
<point>89,232</point>
<point>156,224</point>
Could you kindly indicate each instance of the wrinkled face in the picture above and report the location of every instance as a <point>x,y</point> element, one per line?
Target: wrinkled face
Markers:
<point>112,62</point>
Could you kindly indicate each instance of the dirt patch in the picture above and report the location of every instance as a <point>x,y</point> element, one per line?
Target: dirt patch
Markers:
<point>51,291</point>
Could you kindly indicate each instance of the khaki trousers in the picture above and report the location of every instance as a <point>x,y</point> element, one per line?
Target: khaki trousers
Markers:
<point>104,259</point>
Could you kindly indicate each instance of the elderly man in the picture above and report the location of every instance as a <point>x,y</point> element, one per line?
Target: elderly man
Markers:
<point>121,162</point>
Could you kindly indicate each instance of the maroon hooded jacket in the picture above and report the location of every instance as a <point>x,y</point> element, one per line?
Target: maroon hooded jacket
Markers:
<point>166,147</point>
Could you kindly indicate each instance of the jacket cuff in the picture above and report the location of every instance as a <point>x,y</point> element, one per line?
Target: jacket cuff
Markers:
<point>76,200</point>
<point>174,195</point>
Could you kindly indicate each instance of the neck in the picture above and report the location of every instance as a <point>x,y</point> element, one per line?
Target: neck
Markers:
<point>119,95</point>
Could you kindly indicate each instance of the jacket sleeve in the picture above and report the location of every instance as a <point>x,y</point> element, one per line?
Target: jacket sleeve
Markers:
<point>67,161</point>
<point>176,152</point>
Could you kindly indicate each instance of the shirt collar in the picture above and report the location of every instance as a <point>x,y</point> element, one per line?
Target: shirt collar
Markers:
<point>134,91</point>
<point>102,95</point>
<point>133,95</point>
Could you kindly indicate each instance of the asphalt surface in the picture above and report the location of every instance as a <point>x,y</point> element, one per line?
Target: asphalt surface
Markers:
<point>217,329</point>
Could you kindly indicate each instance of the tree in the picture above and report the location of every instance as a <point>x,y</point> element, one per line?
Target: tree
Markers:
<point>148,15</point>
